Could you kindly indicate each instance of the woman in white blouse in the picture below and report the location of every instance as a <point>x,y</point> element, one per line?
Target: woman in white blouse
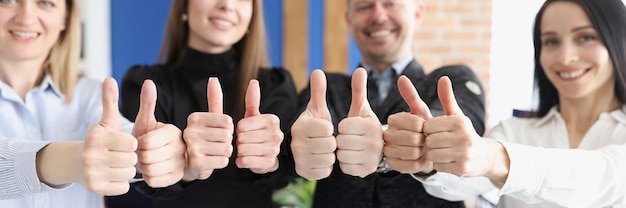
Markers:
<point>571,152</point>
<point>63,142</point>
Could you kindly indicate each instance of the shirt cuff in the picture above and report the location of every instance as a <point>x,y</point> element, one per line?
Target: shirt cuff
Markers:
<point>26,167</point>
<point>525,171</point>
<point>453,188</point>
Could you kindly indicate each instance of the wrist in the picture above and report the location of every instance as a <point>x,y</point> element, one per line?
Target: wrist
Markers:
<point>53,166</point>
<point>499,165</point>
<point>383,167</point>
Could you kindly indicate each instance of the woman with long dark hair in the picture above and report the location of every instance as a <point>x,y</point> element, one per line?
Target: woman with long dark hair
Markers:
<point>571,151</point>
<point>228,165</point>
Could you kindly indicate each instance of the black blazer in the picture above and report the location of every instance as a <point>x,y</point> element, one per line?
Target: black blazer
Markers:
<point>393,189</point>
<point>180,94</point>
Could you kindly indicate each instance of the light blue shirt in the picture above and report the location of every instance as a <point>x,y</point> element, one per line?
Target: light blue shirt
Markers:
<point>27,126</point>
<point>386,80</point>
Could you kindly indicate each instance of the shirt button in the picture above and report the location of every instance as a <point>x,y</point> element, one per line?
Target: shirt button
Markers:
<point>34,130</point>
<point>31,187</point>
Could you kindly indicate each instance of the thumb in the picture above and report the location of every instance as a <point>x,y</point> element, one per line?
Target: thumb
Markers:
<point>145,120</point>
<point>253,99</point>
<point>317,103</point>
<point>110,111</point>
<point>359,93</point>
<point>215,97</point>
<point>412,98</point>
<point>446,96</point>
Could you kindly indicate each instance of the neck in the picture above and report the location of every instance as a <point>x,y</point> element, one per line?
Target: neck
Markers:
<point>21,76</point>
<point>580,114</point>
<point>379,65</point>
<point>382,63</point>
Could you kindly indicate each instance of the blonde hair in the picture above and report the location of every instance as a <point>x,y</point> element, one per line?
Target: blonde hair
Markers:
<point>251,47</point>
<point>62,61</point>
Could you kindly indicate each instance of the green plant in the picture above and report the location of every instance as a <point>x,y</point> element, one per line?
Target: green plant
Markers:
<point>298,194</point>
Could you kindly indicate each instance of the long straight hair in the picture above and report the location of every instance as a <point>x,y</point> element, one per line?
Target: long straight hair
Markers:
<point>251,48</point>
<point>62,61</point>
<point>608,18</point>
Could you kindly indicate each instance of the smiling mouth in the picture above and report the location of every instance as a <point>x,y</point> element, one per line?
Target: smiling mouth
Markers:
<point>379,34</point>
<point>573,74</point>
<point>25,35</point>
<point>222,22</point>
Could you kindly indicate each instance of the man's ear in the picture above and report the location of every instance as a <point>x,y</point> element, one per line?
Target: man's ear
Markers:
<point>420,11</point>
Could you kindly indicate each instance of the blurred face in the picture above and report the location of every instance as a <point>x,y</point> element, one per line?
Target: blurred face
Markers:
<point>383,29</point>
<point>572,55</point>
<point>30,28</point>
<point>216,25</point>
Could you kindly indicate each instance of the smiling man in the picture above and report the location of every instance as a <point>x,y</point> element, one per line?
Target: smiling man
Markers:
<point>354,173</point>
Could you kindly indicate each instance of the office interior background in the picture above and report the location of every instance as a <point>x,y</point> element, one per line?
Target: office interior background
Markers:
<point>493,37</point>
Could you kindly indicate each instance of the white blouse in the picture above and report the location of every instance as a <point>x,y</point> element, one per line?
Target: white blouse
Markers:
<point>544,172</point>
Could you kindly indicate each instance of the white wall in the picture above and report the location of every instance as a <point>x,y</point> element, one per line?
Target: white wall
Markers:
<point>96,61</point>
<point>511,73</point>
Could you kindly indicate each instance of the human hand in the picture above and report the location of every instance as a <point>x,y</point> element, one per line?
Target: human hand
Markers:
<point>454,146</point>
<point>359,143</point>
<point>313,144</point>
<point>209,136</point>
<point>258,135</point>
<point>108,155</point>
<point>161,150</point>
<point>404,139</point>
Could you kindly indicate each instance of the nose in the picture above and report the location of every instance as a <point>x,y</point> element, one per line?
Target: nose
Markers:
<point>227,5</point>
<point>379,14</point>
<point>568,53</point>
<point>26,13</point>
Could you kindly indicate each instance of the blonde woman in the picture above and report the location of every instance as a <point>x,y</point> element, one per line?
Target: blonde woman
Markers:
<point>63,142</point>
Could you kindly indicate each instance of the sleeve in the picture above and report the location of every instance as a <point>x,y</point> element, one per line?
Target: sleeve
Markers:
<point>453,188</point>
<point>468,90</point>
<point>567,177</point>
<point>278,97</point>
<point>18,173</point>
<point>131,91</point>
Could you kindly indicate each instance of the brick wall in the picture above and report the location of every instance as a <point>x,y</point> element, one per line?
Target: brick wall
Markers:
<point>454,32</point>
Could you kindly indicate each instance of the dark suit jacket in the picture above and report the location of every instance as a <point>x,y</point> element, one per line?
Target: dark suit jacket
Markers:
<point>393,189</point>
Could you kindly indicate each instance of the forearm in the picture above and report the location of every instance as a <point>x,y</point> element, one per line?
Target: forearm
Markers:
<point>567,177</point>
<point>57,163</point>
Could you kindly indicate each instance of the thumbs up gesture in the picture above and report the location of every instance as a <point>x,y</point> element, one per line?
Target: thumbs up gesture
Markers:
<point>209,136</point>
<point>258,135</point>
<point>161,150</point>
<point>313,144</point>
<point>108,154</point>
<point>404,138</point>
<point>360,142</point>
<point>454,146</point>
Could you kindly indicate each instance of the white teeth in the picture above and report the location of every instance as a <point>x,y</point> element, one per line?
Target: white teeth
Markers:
<point>569,75</point>
<point>223,22</point>
<point>379,34</point>
<point>25,34</point>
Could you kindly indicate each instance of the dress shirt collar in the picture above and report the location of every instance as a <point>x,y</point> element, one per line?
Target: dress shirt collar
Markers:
<point>617,114</point>
<point>46,85</point>
<point>398,66</point>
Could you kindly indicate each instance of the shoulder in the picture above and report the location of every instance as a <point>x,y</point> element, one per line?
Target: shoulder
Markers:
<point>275,75</point>
<point>461,76</point>
<point>334,77</point>
<point>453,71</point>
<point>138,73</point>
